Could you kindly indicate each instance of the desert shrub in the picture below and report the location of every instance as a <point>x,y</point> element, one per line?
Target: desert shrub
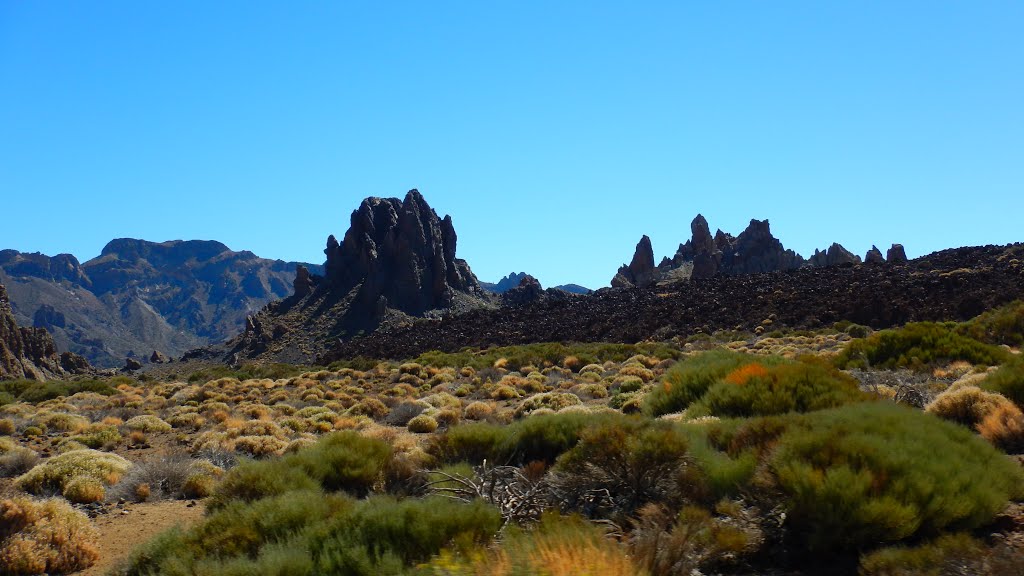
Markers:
<point>370,407</point>
<point>1008,380</point>
<point>15,459</point>
<point>343,461</point>
<point>46,536</point>
<point>6,427</point>
<point>543,354</point>
<point>422,424</point>
<point>689,542</point>
<point>403,412</point>
<point>686,381</point>
<point>55,474</point>
<point>757,390</point>
<point>251,481</point>
<point>947,554</point>
<point>918,345</point>
<point>98,436</point>
<point>84,490</point>
<point>631,460</point>
<point>966,405</point>
<point>1003,325</point>
<point>260,446</point>
<point>550,400</point>
<point>558,546</point>
<point>251,371</point>
<point>879,472</point>
<point>147,423</point>
<point>32,391</point>
<point>60,421</point>
<point>167,476</point>
<point>1004,428</point>
<point>383,535</point>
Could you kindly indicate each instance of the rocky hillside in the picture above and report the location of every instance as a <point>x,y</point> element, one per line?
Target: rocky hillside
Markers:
<point>755,250</point>
<point>138,297</point>
<point>30,352</point>
<point>952,284</point>
<point>396,262</point>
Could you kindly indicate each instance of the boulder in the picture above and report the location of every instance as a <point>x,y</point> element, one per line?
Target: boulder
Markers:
<point>896,254</point>
<point>158,358</point>
<point>131,364</point>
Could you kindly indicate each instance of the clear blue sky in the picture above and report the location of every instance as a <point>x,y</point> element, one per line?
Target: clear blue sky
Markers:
<point>554,133</point>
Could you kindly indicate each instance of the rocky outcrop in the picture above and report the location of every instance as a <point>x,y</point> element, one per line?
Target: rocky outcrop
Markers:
<point>756,250</point>
<point>30,352</point>
<point>505,284</point>
<point>641,271</point>
<point>529,290</point>
<point>303,284</point>
<point>836,255</point>
<point>707,258</point>
<point>59,268</point>
<point>896,254</point>
<point>401,252</point>
<point>874,256</point>
<point>158,357</point>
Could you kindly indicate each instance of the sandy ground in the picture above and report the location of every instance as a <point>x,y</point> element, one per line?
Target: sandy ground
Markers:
<point>121,533</point>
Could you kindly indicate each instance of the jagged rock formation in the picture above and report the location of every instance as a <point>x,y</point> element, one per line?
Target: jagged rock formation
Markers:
<point>529,290</point>
<point>396,262</point>
<point>641,271</point>
<point>756,250</point>
<point>836,255</point>
<point>706,256</point>
<point>953,284</point>
<point>30,352</point>
<point>505,284</point>
<point>402,252</point>
<point>896,254</point>
<point>139,296</point>
<point>874,256</point>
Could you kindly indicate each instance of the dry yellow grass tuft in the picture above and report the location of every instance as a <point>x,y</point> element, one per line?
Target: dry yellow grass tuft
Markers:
<point>47,536</point>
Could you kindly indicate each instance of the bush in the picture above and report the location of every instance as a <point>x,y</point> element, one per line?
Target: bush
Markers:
<point>422,424</point>
<point>343,461</point>
<point>947,554</point>
<point>1003,325</point>
<point>1004,428</point>
<point>15,459</point>
<point>545,354</point>
<point>686,381</point>
<point>880,472</point>
<point>632,460</point>
<point>966,405</point>
<point>167,476</point>
<point>147,423</point>
<point>918,345</point>
<point>55,474</point>
<point>32,391</point>
<point>47,536</point>
<point>757,390</point>
<point>98,436</point>
<point>550,400</point>
<point>250,481</point>
<point>1008,380</point>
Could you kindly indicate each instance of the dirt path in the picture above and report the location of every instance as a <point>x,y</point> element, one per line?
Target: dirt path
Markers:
<point>121,533</point>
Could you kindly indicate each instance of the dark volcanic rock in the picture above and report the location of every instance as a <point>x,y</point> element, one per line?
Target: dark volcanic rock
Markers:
<point>30,352</point>
<point>641,271</point>
<point>874,256</point>
<point>756,250</point>
<point>48,317</point>
<point>836,255</point>
<point>401,251</point>
<point>303,284</point>
<point>529,290</point>
<point>706,256</point>
<point>810,297</point>
<point>896,254</point>
<point>132,364</point>
<point>505,284</point>
<point>158,358</point>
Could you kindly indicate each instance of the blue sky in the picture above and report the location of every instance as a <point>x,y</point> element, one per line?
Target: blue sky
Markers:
<point>554,133</point>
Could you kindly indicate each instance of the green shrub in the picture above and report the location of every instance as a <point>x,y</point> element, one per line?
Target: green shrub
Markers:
<point>98,436</point>
<point>947,554</point>
<point>688,380</point>
<point>880,472</point>
<point>546,354</point>
<point>250,481</point>
<point>1003,325</point>
<point>343,461</point>
<point>57,473</point>
<point>33,391</point>
<point>422,424</point>
<point>550,400</point>
<point>1008,380</point>
<point>918,345</point>
<point>147,423</point>
<point>755,390</point>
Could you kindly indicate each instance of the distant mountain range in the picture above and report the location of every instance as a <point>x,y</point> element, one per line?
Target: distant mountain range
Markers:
<point>138,297</point>
<point>514,278</point>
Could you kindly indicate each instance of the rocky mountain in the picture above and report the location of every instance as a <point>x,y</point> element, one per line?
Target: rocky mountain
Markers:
<point>754,251</point>
<point>515,278</point>
<point>954,284</point>
<point>30,352</point>
<point>138,297</point>
<point>396,262</point>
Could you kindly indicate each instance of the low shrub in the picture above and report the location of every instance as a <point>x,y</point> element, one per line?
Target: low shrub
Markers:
<point>550,400</point>
<point>147,423</point>
<point>33,391</point>
<point>689,542</point>
<point>55,474</point>
<point>15,459</point>
<point>1008,380</point>
<point>947,554</point>
<point>251,481</point>
<point>1003,325</point>
<point>686,381</point>
<point>422,424</point>
<point>1004,428</point>
<point>46,536</point>
<point>880,472</point>
<point>918,345</point>
<point>343,461</point>
<point>966,405</point>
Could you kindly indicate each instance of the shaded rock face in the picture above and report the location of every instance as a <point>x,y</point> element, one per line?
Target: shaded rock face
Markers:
<point>874,256</point>
<point>505,284</point>
<point>529,290</point>
<point>641,271</point>
<point>62,267</point>
<point>706,256</point>
<point>836,255</point>
<point>30,352</point>
<point>756,250</point>
<point>304,283</point>
<point>400,251</point>
<point>896,254</point>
